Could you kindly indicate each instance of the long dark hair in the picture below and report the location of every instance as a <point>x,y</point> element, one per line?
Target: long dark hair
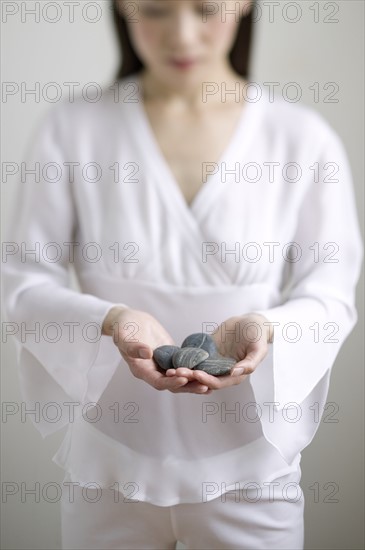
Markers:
<point>239,56</point>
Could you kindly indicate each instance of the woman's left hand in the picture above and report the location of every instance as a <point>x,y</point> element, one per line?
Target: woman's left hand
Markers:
<point>244,338</point>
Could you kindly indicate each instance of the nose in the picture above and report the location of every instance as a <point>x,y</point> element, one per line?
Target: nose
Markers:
<point>183,31</point>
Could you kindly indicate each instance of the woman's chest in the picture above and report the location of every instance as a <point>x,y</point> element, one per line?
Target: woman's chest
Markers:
<point>191,147</point>
<point>145,192</point>
<point>138,216</point>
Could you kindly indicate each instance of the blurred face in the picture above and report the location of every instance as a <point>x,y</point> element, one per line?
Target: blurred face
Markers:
<point>183,41</point>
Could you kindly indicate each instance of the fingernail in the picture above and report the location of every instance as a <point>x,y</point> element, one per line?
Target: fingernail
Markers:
<point>238,372</point>
<point>144,353</point>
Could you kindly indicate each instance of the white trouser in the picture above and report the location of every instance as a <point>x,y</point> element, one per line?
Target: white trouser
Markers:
<point>244,519</point>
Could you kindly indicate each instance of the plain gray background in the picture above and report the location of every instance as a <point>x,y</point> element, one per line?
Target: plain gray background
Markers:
<point>305,52</point>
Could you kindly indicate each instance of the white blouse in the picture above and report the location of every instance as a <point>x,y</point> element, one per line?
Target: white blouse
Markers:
<point>273,229</point>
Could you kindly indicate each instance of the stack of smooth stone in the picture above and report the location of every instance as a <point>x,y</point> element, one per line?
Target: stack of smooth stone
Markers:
<point>197,352</point>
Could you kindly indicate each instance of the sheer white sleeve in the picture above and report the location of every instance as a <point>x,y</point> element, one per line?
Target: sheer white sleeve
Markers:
<point>57,329</point>
<point>319,313</point>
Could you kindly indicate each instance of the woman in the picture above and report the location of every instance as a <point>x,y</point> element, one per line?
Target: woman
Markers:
<point>183,208</point>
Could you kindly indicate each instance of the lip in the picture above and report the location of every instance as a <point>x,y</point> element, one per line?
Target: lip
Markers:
<point>183,63</point>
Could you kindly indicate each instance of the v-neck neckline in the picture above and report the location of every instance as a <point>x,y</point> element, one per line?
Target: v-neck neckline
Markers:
<point>209,189</point>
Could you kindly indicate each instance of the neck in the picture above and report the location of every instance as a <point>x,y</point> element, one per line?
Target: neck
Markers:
<point>189,94</point>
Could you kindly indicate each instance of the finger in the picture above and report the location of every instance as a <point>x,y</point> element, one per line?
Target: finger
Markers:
<point>194,387</point>
<point>250,362</point>
<point>161,382</point>
<point>188,387</point>
<point>136,350</point>
<point>181,371</point>
<point>147,371</point>
<point>173,384</point>
<point>219,382</point>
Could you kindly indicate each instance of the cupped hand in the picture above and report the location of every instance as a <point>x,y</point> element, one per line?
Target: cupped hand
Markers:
<point>244,338</point>
<point>136,334</point>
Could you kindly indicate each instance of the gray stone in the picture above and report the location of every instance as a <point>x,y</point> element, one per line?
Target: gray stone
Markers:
<point>163,356</point>
<point>216,366</point>
<point>189,357</point>
<point>200,340</point>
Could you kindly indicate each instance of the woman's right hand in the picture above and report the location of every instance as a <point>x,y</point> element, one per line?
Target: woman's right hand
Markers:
<point>136,334</point>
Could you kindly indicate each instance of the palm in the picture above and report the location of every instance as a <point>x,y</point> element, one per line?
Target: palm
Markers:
<point>138,330</point>
<point>245,340</point>
<point>237,338</point>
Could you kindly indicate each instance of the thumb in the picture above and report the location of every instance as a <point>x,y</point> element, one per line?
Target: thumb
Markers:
<point>136,350</point>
